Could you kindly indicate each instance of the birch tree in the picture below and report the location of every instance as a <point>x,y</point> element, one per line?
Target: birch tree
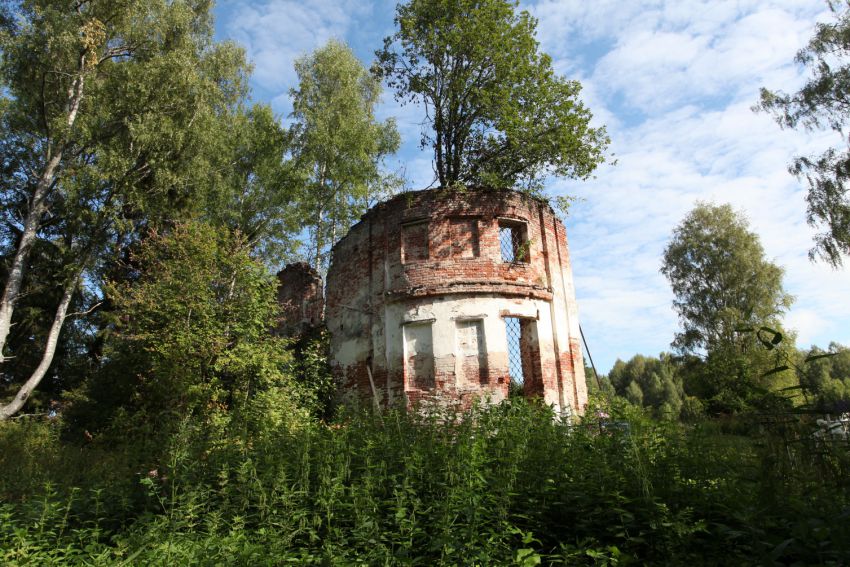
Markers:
<point>730,301</point>
<point>107,110</point>
<point>338,142</point>
<point>823,103</point>
<point>721,279</point>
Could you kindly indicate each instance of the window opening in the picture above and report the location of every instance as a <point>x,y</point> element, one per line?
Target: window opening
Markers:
<point>472,351</point>
<point>513,241</point>
<point>524,362</point>
<point>513,330</point>
<point>419,356</point>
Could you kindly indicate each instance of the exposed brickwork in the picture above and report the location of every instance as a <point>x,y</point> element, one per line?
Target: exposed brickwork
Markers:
<point>432,260</point>
<point>299,295</point>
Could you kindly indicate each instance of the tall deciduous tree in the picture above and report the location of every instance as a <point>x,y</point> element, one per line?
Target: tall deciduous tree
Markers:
<point>823,103</point>
<point>498,114</point>
<point>107,110</point>
<point>730,301</point>
<point>254,186</point>
<point>338,143</point>
<point>721,279</point>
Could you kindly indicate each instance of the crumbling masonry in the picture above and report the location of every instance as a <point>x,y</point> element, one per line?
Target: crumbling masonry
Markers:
<point>299,295</point>
<point>444,295</point>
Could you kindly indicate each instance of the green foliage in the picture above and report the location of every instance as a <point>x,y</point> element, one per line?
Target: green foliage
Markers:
<point>739,378</point>
<point>506,485</point>
<point>822,103</point>
<point>35,310</point>
<point>596,384</point>
<point>825,377</point>
<point>720,278</point>
<point>338,144</point>
<point>153,87</point>
<point>498,114</point>
<point>253,189</point>
<point>308,365</point>
<point>192,339</point>
<point>653,383</point>
<point>729,299</point>
<point>110,116</point>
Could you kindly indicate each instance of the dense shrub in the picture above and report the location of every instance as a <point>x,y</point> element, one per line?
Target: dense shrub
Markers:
<point>825,377</point>
<point>190,340</point>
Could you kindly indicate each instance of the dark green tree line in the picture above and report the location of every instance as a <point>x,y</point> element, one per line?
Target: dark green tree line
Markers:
<point>650,382</point>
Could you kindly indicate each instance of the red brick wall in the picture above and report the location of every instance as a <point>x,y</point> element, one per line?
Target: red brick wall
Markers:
<point>434,243</point>
<point>300,296</point>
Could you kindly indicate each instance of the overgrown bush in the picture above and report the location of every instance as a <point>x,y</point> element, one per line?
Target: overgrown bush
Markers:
<point>191,341</point>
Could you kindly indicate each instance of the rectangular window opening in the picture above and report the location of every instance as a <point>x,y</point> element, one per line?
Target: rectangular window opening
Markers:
<point>513,241</point>
<point>513,330</point>
<point>419,356</point>
<point>472,352</point>
<point>524,362</point>
<point>414,242</point>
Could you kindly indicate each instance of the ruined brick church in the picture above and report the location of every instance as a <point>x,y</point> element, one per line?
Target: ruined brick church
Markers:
<point>449,296</point>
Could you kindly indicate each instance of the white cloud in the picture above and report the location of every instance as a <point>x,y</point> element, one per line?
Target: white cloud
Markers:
<point>656,55</point>
<point>276,32</point>
<point>696,139</point>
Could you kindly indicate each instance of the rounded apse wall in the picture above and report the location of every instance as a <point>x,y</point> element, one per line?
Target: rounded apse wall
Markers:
<point>446,295</point>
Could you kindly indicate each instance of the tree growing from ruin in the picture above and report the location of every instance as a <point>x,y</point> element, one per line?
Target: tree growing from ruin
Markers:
<point>496,112</point>
<point>107,113</point>
<point>823,103</point>
<point>338,143</point>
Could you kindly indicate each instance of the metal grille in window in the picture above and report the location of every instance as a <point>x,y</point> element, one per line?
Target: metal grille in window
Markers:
<point>512,243</point>
<point>513,330</point>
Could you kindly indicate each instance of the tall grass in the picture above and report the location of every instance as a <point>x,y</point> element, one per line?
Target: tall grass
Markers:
<point>507,485</point>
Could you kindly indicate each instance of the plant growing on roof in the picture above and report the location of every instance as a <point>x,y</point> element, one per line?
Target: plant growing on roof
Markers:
<point>496,112</point>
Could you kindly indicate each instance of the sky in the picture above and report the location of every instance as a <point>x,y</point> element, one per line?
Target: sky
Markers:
<point>673,82</point>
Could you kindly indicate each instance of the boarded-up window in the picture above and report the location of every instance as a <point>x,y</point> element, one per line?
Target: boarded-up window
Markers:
<point>472,352</point>
<point>418,356</point>
<point>464,237</point>
<point>414,242</point>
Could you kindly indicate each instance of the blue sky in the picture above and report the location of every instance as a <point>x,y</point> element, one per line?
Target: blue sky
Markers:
<point>673,81</point>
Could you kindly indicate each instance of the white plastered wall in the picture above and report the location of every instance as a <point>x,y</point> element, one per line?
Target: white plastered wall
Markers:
<point>444,313</point>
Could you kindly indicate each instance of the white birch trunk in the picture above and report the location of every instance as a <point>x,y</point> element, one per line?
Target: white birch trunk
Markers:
<point>38,374</point>
<point>36,210</point>
<point>16,273</point>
